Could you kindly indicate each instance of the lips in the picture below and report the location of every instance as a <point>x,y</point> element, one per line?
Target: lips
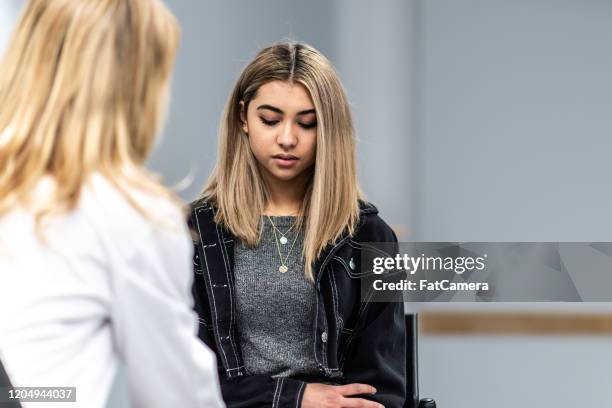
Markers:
<point>285,160</point>
<point>285,157</point>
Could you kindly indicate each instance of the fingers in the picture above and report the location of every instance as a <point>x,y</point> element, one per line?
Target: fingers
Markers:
<point>360,403</point>
<point>356,388</point>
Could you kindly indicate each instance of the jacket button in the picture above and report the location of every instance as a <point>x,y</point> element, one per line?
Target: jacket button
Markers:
<point>324,337</point>
<point>352,264</point>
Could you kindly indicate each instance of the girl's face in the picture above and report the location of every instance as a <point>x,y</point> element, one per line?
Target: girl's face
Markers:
<point>282,127</point>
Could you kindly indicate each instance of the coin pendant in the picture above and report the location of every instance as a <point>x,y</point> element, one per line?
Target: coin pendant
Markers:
<point>283,269</point>
<point>283,240</point>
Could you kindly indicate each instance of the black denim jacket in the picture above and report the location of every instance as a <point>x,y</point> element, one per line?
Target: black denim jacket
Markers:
<point>354,341</point>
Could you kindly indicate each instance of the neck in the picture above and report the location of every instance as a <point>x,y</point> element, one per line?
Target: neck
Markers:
<point>285,197</point>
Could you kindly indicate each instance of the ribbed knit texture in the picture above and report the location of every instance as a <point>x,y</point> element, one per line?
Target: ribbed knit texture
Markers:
<point>275,310</point>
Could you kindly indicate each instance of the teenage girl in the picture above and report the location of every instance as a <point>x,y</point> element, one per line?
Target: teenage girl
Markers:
<point>281,227</point>
<point>95,260</point>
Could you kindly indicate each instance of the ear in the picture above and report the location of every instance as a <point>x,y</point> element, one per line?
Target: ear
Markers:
<point>243,118</point>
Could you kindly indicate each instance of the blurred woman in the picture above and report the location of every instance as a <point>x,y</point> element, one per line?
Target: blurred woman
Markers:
<point>281,228</point>
<point>95,259</point>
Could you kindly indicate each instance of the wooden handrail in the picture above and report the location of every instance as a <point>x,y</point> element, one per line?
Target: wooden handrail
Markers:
<point>538,323</point>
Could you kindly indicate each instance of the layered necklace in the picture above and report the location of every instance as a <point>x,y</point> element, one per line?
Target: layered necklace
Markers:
<point>283,268</point>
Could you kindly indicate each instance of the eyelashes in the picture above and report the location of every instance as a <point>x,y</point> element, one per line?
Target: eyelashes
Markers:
<point>308,125</point>
<point>268,122</point>
<point>271,123</point>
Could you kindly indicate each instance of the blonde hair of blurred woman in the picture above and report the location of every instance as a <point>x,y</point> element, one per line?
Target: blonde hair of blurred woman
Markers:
<point>83,88</point>
<point>330,206</point>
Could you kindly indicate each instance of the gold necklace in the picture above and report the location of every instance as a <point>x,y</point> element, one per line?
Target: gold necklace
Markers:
<point>283,239</point>
<point>283,268</point>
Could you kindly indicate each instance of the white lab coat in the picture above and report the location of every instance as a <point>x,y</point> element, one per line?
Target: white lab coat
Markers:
<point>106,285</point>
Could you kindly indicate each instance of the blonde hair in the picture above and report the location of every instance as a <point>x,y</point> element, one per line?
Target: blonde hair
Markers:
<point>83,88</point>
<point>236,187</point>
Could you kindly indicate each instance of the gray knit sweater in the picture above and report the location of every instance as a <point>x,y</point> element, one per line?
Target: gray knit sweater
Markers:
<point>275,310</point>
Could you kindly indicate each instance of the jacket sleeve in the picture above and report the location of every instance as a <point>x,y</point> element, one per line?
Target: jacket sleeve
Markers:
<point>376,354</point>
<point>262,391</point>
<point>380,360</point>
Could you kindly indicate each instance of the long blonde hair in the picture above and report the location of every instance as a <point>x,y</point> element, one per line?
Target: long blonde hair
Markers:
<point>83,85</point>
<point>236,187</point>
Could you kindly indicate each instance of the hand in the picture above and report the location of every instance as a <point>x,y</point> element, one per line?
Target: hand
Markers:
<point>335,396</point>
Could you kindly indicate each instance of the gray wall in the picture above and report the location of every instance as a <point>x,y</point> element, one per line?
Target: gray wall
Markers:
<point>514,118</point>
<point>375,60</point>
<point>516,371</point>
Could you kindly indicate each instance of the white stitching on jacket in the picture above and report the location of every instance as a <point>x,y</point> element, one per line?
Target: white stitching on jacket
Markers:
<point>277,393</point>
<point>211,291</point>
<point>225,262</point>
<point>297,400</point>
<point>316,325</point>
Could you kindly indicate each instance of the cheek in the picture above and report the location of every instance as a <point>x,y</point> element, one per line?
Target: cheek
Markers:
<point>258,141</point>
<point>310,147</point>
<point>256,148</point>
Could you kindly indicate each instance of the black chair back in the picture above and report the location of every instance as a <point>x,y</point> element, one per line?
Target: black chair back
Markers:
<point>412,366</point>
<point>412,362</point>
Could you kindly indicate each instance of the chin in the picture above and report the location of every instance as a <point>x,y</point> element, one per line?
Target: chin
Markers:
<point>285,176</point>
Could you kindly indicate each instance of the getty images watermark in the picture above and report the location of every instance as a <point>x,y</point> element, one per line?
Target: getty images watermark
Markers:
<point>486,271</point>
<point>411,265</point>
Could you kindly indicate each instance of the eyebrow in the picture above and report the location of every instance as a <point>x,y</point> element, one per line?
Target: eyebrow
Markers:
<point>277,110</point>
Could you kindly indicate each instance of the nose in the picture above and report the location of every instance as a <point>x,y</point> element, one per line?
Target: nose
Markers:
<point>287,137</point>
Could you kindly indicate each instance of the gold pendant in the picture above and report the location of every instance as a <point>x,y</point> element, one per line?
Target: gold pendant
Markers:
<point>283,269</point>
